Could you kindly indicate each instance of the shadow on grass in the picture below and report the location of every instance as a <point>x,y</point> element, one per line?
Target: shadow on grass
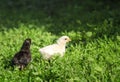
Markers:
<point>59,16</point>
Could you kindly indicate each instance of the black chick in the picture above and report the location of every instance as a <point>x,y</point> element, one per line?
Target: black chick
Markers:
<point>23,57</point>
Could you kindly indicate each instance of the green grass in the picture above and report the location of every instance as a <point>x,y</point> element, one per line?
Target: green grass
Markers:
<point>93,55</point>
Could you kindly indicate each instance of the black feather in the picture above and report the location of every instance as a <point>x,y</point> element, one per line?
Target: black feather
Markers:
<point>23,57</point>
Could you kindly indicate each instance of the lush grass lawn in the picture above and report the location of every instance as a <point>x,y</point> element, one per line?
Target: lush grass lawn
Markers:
<point>93,55</point>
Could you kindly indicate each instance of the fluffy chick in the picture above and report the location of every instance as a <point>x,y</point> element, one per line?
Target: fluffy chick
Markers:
<point>23,57</point>
<point>58,48</point>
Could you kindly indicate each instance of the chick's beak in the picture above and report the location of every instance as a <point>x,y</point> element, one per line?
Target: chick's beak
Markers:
<point>69,40</point>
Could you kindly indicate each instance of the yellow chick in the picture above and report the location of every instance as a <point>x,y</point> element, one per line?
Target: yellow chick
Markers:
<point>58,48</point>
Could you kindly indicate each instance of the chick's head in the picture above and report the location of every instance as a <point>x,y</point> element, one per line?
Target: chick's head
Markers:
<point>26,44</point>
<point>63,40</point>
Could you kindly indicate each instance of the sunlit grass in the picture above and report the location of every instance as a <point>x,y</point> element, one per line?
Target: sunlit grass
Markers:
<point>94,60</point>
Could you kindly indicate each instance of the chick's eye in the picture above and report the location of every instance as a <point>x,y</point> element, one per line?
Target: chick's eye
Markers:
<point>65,38</point>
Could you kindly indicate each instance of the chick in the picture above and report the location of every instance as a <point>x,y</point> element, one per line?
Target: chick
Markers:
<point>58,48</point>
<point>23,57</point>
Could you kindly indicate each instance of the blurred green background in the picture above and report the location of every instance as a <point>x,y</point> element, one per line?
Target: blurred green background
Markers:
<point>61,15</point>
